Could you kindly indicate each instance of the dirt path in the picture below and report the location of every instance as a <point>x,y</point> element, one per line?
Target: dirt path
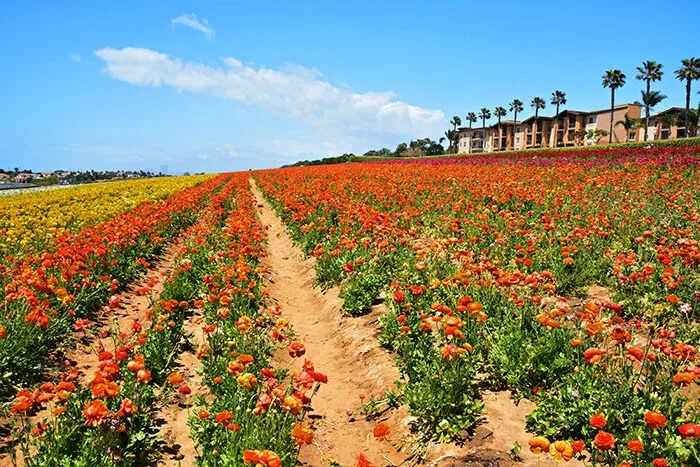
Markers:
<point>343,348</point>
<point>177,447</point>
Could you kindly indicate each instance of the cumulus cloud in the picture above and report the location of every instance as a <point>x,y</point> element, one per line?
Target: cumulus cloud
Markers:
<point>190,20</point>
<point>292,91</point>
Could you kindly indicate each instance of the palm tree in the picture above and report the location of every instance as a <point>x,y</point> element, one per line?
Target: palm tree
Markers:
<point>515,107</point>
<point>558,98</point>
<point>499,112</point>
<point>688,72</point>
<point>471,118</point>
<point>649,71</point>
<point>455,122</point>
<point>629,124</point>
<point>650,99</point>
<point>537,103</point>
<point>613,79</point>
<point>450,135</point>
<point>484,115</point>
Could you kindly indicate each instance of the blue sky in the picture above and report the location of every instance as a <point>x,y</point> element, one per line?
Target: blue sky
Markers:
<point>216,86</point>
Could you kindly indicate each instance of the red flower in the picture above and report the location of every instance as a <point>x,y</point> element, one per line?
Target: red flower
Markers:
<point>660,462</point>
<point>604,441</point>
<point>578,445</point>
<point>689,431</point>
<point>593,355</point>
<point>381,431</point>
<point>598,421</point>
<point>635,445</point>
<point>655,420</point>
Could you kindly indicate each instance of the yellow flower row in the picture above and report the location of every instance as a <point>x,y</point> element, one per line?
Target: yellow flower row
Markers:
<point>29,220</point>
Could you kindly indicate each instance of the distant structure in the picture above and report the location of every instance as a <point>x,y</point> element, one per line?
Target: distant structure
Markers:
<point>571,128</point>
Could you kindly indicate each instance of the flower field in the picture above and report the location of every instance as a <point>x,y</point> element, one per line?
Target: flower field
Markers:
<point>568,279</point>
<point>28,221</point>
<point>490,267</point>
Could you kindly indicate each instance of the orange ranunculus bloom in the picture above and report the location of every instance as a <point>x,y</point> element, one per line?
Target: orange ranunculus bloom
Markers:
<point>683,379</point>
<point>95,411</point>
<point>604,441</point>
<point>3,332</point>
<point>175,378</point>
<point>635,445</point>
<point>262,458</point>
<point>296,349</point>
<point>143,376</point>
<point>655,420</point>
<point>660,462</point>
<point>594,329</point>
<point>576,343</point>
<point>593,355</point>
<point>381,431</point>
<point>127,408</point>
<point>561,451</point>
<point>598,421</point>
<point>538,445</point>
<point>362,461</point>
<point>578,445</point>
<point>224,417</point>
<point>247,380</point>
<point>302,434</point>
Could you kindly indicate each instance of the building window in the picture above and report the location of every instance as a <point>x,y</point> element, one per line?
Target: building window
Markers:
<point>591,119</point>
<point>519,130</point>
<point>517,140</point>
<point>632,136</point>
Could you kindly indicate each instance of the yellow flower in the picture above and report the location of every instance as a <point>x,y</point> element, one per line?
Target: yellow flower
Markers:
<point>561,451</point>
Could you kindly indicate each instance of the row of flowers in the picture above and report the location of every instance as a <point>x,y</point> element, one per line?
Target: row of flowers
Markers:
<point>43,294</point>
<point>108,418</point>
<point>29,221</point>
<point>480,264</point>
<point>253,413</point>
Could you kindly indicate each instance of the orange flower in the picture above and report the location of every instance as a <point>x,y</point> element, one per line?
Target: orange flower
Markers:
<point>247,380</point>
<point>362,461</point>
<point>655,420</point>
<point>635,445</point>
<point>683,379</point>
<point>224,417</point>
<point>576,343</point>
<point>660,462</point>
<point>127,408</point>
<point>381,431</point>
<point>538,445</point>
<point>203,415</point>
<point>561,451</point>
<point>302,435</point>
<point>143,376</point>
<point>262,458</point>
<point>578,445</point>
<point>604,441</point>
<point>296,349</point>
<point>175,378</point>
<point>593,355</point>
<point>3,332</point>
<point>598,421</point>
<point>94,412</point>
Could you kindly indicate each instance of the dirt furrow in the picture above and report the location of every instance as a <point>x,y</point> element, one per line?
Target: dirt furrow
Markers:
<point>345,349</point>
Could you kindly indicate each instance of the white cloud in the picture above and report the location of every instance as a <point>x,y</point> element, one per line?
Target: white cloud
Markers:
<point>293,91</point>
<point>190,20</point>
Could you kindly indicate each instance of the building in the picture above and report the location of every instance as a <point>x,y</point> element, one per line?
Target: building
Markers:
<point>665,125</point>
<point>23,177</point>
<point>4,178</point>
<point>569,128</point>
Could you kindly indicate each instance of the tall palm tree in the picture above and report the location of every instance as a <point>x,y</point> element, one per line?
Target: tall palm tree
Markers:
<point>499,112</point>
<point>613,79</point>
<point>650,99</point>
<point>558,98</point>
<point>629,124</point>
<point>471,118</point>
<point>649,71</point>
<point>484,115</point>
<point>537,103</point>
<point>688,72</point>
<point>515,107</point>
<point>455,122</point>
<point>450,135</point>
